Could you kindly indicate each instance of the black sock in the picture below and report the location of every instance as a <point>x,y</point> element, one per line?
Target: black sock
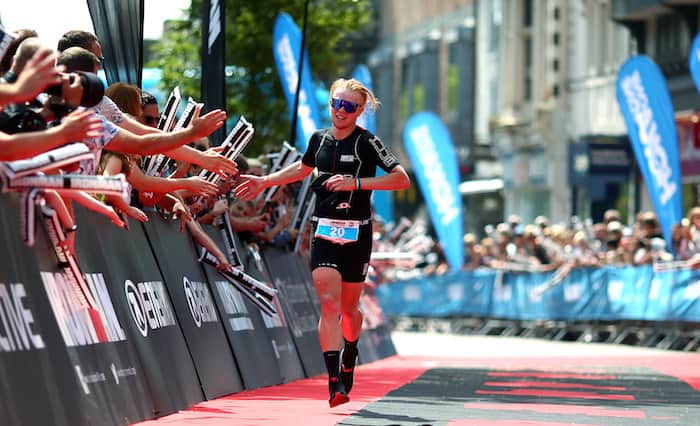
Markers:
<point>350,354</point>
<point>332,359</point>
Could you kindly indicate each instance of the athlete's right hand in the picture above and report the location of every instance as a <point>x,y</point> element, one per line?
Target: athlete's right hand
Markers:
<point>249,187</point>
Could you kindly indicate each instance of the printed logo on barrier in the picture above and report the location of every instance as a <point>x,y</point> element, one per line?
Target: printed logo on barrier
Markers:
<point>234,307</point>
<point>200,302</point>
<point>87,379</point>
<point>692,291</point>
<point>149,305</point>
<point>615,290</point>
<point>16,321</point>
<point>502,292</point>
<point>655,289</point>
<point>120,373</point>
<point>303,319</point>
<point>573,292</point>
<point>74,322</point>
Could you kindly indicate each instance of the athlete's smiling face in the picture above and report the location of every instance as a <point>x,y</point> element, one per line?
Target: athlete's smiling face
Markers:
<point>341,100</point>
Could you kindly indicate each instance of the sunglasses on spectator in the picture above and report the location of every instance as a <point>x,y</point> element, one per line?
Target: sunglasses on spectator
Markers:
<point>348,106</point>
<point>149,119</point>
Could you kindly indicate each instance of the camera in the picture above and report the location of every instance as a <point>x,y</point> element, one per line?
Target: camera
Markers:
<point>93,89</point>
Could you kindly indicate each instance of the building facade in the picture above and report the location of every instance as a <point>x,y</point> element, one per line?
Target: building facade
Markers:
<point>664,30</point>
<point>426,61</point>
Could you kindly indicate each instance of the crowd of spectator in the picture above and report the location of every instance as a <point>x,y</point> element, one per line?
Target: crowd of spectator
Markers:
<point>43,107</point>
<point>542,246</point>
<point>45,103</point>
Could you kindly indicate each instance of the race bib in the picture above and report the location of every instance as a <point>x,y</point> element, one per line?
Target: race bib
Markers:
<point>338,231</point>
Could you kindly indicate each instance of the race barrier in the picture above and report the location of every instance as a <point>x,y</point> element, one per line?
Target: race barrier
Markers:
<point>608,294</point>
<point>631,305</point>
<point>167,331</point>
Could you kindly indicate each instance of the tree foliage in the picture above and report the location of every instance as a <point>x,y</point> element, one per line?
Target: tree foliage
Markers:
<point>253,87</point>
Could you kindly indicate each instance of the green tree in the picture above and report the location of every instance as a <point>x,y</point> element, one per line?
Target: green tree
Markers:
<point>253,87</point>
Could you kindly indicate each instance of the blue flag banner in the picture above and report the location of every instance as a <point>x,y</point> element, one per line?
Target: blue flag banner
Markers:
<point>287,46</point>
<point>694,59</point>
<point>381,200</point>
<point>432,155</point>
<point>646,107</point>
<point>367,119</point>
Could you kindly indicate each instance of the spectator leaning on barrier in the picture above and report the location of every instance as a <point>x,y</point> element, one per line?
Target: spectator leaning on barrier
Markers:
<point>209,160</point>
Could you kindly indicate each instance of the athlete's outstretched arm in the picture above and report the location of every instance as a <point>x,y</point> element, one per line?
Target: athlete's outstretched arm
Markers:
<point>252,185</point>
<point>396,179</point>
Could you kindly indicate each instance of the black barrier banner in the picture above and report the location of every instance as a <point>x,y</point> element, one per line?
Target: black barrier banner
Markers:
<point>297,305</point>
<point>53,369</point>
<point>304,271</point>
<point>123,259</point>
<point>245,329</point>
<point>194,305</point>
<point>276,327</point>
<point>375,326</point>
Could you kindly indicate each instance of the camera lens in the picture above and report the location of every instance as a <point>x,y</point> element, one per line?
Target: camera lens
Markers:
<point>93,89</point>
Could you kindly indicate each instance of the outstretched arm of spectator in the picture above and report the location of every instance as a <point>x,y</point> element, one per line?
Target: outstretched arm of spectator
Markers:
<point>158,142</point>
<point>205,241</point>
<point>251,185</point>
<point>220,207</point>
<point>195,185</point>
<point>113,168</point>
<point>78,125</point>
<point>92,203</point>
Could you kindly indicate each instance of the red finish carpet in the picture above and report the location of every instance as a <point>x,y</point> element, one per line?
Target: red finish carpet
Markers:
<point>493,382</point>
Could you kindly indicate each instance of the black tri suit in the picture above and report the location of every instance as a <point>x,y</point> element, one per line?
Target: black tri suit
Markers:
<point>341,225</point>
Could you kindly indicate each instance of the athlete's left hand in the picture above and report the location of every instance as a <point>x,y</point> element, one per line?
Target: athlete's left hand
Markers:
<point>340,183</point>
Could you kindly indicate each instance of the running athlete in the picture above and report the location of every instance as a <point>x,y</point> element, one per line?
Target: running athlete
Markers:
<point>344,159</point>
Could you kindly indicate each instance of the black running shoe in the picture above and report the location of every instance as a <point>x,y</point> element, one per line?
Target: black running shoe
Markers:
<point>337,392</point>
<point>347,377</point>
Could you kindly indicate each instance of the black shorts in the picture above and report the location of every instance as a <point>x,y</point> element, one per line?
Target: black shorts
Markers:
<point>350,259</point>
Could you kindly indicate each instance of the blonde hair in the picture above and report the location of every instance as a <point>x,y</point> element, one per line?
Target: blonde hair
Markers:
<point>356,86</point>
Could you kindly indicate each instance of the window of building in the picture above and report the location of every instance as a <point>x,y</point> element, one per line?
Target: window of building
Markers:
<point>527,13</point>
<point>672,39</point>
<point>527,68</point>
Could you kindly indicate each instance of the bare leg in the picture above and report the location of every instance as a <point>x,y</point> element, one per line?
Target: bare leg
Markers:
<point>328,286</point>
<point>351,322</point>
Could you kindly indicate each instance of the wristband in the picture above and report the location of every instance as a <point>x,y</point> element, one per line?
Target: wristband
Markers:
<point>357,183</point>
